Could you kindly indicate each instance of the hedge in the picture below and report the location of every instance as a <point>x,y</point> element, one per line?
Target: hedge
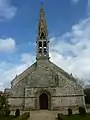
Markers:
<point>24,116</point>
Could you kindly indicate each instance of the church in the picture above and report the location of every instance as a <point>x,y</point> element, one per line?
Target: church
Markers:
<point>44,86</point>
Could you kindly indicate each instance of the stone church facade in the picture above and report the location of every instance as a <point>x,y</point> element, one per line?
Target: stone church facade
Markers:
<point>44,85</point>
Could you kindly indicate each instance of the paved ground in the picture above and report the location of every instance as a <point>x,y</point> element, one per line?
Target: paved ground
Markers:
<point>44,114</point>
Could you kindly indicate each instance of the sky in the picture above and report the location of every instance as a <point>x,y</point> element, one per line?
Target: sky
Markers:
<point>68,24</point>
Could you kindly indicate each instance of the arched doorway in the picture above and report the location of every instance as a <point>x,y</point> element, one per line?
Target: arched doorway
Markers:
<point>43,101</point>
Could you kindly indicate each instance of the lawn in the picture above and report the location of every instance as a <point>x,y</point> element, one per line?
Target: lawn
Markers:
<point>77,117</point>
<point>8,118</point>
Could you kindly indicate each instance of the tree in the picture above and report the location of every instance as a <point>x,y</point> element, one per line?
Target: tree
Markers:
<point>4,105</point>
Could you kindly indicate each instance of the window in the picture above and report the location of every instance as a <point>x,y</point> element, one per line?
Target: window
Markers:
<point>40,50</point>
<point>56,79</point>
<point>45,44</point>
<point>45,50</point>
<point>42,36</point>
<point>40,44</point>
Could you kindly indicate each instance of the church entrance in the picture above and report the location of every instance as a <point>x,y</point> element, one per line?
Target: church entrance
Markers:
<point>43,101</point>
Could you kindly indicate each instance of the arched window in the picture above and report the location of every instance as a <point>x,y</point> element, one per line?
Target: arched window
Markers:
<point>42,36</point>
<point>44,44</point>
<point>40,44</point>
<point>45,50</point>
<point>56,79</point>
<point>40,50</point>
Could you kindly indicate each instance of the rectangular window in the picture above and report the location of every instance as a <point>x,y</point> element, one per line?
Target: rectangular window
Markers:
<point>40,50</point>
<point>40,44</point>
<point>45,50</point>
<point>44,44</point>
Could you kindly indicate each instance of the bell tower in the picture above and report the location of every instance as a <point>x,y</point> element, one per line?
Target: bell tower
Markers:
<point>42,42</point>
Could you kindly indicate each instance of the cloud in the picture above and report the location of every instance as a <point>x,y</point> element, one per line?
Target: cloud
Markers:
<point>75,1</point>
<point>8,71</point>
<point>88,7</point>
<point>27,58</point>
<point>71,51</point>
<point>7,11</point>
<point>6,75</point>
<point>89,3</point>
<point>7,45</point>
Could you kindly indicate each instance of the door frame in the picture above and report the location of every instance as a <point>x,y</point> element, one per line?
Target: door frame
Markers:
<point>37,98</point>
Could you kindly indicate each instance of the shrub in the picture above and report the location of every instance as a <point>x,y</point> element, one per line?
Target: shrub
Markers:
<point>4,106</point>
<point>17,113</point>
<point>24,116</point>
<point>59,116</point>
<point>82,111</point>
<point>69,111</point>
<point>7,112</point>
<point>2,113</point>
<point>27,114</point>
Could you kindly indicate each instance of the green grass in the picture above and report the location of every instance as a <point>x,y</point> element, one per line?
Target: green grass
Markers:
<point>77,117</point>
<point>7,118</point>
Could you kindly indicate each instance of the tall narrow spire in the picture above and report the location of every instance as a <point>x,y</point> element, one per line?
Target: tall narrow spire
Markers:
<point>42,37</point>
<point>42,27</point>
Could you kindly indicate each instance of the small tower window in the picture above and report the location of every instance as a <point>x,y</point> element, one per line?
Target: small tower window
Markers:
<point>40,44</point>
<point>42,36</point>
<point>45,50</point>
<point>45,44</point>
<point>40,50</point>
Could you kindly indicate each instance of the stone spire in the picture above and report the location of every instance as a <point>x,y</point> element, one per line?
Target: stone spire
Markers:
<point>42,37</point>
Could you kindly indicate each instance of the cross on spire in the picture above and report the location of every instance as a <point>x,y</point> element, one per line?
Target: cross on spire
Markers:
<point>41,2</point>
